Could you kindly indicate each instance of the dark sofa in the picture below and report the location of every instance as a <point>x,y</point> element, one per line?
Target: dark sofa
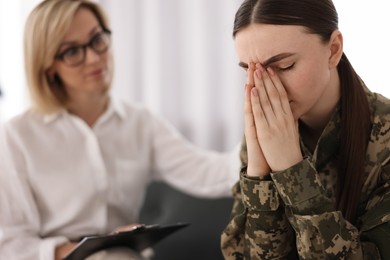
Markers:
<point>207,217</point>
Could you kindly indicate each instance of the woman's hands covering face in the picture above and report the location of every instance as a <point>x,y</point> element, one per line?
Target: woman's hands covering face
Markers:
<point>257,165</point>
<point>271,131</point>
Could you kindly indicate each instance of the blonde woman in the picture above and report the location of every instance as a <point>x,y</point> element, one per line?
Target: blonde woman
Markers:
<point>80,159</point>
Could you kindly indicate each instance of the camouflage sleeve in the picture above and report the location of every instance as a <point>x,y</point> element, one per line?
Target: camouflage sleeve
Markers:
<point>375,229</point>
<point>258,228</point>
<point>321,232</point>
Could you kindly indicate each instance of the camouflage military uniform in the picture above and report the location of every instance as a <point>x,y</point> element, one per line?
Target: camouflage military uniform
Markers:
<point>290,214</point>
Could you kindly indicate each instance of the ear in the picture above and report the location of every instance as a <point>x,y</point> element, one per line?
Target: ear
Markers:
<point>336,48</point>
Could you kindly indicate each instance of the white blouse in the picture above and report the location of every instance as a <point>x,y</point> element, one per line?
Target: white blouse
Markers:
<point>61,179</point>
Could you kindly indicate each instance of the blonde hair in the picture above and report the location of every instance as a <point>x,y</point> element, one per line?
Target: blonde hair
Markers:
<point>45,28</point>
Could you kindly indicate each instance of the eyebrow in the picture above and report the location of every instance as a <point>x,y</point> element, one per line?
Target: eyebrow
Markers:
<point>271,60</point>
<point>74,42</point>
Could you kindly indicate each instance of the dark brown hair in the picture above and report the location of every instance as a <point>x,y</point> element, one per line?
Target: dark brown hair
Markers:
<point>320,17</point>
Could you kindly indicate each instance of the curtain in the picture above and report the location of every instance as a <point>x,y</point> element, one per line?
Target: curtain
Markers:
<point>177,57</point>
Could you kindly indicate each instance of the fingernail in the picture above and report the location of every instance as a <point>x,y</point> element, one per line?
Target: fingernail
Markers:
<point>260,67</point>
<point>270,71</point>
<point>254,92</point>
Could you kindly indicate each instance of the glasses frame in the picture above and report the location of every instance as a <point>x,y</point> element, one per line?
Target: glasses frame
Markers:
<point>89,44</point>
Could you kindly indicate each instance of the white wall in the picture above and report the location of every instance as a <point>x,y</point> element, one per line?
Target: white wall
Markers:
<point>12,16</point>
<point>364,25</point>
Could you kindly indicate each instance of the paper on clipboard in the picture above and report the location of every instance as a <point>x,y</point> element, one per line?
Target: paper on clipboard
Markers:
<point>138,240</point>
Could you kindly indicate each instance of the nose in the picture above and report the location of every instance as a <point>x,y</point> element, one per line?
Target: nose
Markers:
<point>91,56</point>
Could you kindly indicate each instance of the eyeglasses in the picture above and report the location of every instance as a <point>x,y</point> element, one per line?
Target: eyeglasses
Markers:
<point>75,55</point>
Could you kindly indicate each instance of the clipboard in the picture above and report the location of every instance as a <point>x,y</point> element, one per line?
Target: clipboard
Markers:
<point>138,239</point>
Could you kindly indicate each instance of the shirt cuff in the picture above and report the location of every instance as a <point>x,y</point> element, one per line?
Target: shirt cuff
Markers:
<point>48,246</point>
<point>258,194</point>
<point>301,189</point>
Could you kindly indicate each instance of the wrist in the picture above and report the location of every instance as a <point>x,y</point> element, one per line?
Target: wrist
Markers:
<point>283,165</point>
<point>251,172</point>
<point>257,171</point>
<point>63,250</point>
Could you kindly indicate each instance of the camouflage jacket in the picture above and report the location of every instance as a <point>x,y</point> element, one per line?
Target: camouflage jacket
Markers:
<point>291,214</point>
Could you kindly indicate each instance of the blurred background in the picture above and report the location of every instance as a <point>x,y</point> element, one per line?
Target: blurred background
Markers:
<point>177,57</point>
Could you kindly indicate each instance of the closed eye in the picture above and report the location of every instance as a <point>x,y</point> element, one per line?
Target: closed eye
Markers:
<point>289,67</point>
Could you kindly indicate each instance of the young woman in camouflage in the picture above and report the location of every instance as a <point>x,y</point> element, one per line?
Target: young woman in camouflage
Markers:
<point>315,182</point>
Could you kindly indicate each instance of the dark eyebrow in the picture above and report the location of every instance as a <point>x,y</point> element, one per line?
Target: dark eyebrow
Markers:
<point>243,65</point>
<point>271,60</point>
<point>277,58</point>
<point>92,32</point>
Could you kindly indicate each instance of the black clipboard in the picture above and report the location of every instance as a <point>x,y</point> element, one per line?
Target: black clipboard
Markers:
<point>138,239</point>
